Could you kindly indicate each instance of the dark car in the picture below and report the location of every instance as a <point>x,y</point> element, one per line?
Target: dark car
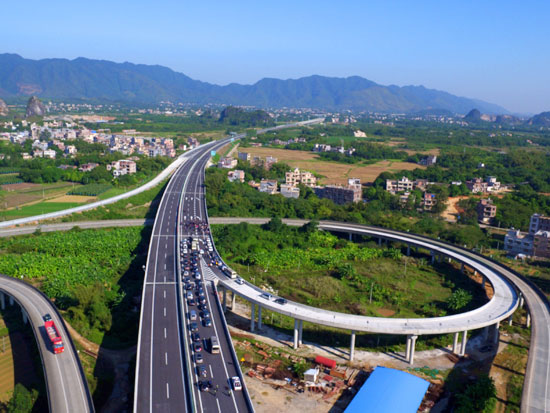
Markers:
<point>205,385</point>
<point>191,302</point>
<point>207,322</point>
<point>194,327</point>
<point>47,317</point>
<point>202,300</point>
<point>203,307</point>
<point>195,337</point>
<point>202,372</point>
<point>205,314</point>
<point>280,301</point>
<point>197,347</point>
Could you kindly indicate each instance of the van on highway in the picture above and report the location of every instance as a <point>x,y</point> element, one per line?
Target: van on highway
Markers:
<point>192,315</point>
<point>214,345</point>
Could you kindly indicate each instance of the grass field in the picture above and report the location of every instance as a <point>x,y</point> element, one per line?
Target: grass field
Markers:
<point>333,172</point>
<point>78,199</point>
<point>25,193</point>
<point>38,209</point>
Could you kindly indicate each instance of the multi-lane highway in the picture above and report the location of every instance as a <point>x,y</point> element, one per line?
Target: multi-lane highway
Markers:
<point>66,384</point>
<point>169,352</point>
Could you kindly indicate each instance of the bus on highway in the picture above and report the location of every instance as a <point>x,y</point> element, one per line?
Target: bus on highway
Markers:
<point>54,336</point>
<point>229,272</point>
<point>214,345</point>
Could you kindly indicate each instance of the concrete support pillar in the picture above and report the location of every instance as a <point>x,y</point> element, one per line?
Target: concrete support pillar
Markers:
<point>510,319</point>
<point>233,296</point>
<point>412,345</point>
<point>379,242</point>
<point>455,342</point>
<point>259,317</point>
<point>11,300</point>
<point>408,250</point>
<point>300,331</point>
<point>408,348</point>
<point>463,345</point>
<point>528,319</point>
<point>449,260</point>
<point>295,334</point>
<point>252,317</point>
<point>483,283</point>
<point>475,272</point>
<point>350,236</point>
<point>462,267</point>
<point>496,336</point>
<point>224,300</point>
<point>25,317</point>
<point>521,300</point>
<point>352,346</point>
<point>2,301</point>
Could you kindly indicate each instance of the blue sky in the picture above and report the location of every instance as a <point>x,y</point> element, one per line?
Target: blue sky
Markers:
<point>497,51</point>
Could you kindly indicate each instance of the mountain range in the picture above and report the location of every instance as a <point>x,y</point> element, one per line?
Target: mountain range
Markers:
<point>100,80</point>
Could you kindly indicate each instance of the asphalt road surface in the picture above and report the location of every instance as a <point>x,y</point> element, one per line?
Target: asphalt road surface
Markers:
<point>167,377</point>
<point>66,383</point>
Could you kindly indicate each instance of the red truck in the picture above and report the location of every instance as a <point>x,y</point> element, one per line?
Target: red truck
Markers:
<point>55,337</point>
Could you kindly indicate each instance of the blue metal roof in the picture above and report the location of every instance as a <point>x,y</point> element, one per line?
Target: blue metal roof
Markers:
<point>389,391</point>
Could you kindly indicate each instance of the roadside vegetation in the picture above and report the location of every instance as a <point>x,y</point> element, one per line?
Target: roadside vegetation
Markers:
<point>93,276</point>
<point>319,269</point>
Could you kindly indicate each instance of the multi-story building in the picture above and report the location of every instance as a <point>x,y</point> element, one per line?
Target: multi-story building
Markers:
<point>236,175</point>
<point>428,201</point>
<point>429,160</point>
<point>122,167</point>
<point>541,244</point>
<point>340,194</point>
<point>539,223</point>
<point>268,185</point>
<point>486,210</point>
<point>290,191</point>
<point>534,243</point>
<point>400,185</point>
<point>244,156</point>
<point>478,185</point>
<point>228,163</point>
<point>300,177</point>
<point>517,242</point>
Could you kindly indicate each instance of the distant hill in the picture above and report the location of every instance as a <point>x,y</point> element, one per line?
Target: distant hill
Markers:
<point>93,80</point>
<point>542,119</point>
<point>237,116</point>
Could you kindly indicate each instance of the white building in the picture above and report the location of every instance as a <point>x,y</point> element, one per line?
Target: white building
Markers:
<point>290,191</point>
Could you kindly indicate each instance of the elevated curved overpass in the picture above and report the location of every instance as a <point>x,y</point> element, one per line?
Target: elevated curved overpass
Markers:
<point>536,393</point>
<point>66,384</point>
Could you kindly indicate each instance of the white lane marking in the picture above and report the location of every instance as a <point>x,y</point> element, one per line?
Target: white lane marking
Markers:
<point>164,255</point>
<point>63,384</point>
<point>165,245</point>
<point>164,293</point>
<point>164,266</point>
<point>219,409</point>
<point>211,374</point>
<point>164,332</point>
<point>165,358</point>
<point>167,391</point>
<point>165,275</point>
<point>164,311</point>
<point>216,331</point>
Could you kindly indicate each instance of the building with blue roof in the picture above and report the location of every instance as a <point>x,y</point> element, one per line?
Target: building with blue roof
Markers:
<point>389,391</point>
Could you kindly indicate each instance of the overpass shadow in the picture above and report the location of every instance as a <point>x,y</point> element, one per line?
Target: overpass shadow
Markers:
<point>19,340</point>
<point>115,366</point>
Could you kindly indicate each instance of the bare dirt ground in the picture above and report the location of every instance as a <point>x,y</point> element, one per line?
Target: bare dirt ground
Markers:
<point>73,198</point>
<point>334,173</point>
<point>451,212</point>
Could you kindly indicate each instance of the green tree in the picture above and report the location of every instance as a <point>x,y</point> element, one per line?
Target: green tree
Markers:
<point>479,396</point>
<point>459,299</point>
<point>22,400</point>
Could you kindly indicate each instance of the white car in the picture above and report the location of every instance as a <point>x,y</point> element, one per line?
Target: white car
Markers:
<point>239,281</point>
<point>236,383</point>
